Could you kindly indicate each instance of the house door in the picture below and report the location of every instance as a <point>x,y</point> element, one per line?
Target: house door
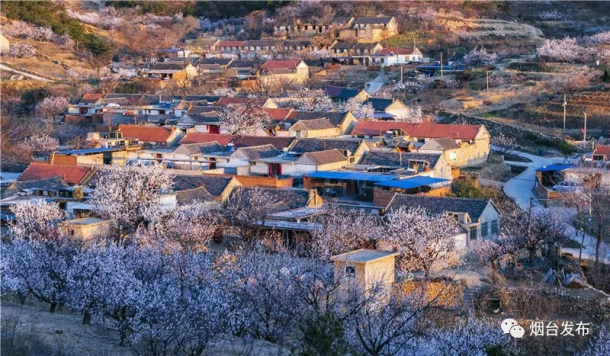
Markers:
<point>214,129</point>
<point>275,169</point>
<point>159,157</point>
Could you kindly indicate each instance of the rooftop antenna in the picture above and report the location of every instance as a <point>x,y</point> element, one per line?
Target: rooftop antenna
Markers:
<point>414,46</point>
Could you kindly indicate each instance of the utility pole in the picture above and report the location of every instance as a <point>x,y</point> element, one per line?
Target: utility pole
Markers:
<point>441,65</point>
<point>401,75</point>
<point>585,130</point>
<point>487,80</point>
<point>565,104</point>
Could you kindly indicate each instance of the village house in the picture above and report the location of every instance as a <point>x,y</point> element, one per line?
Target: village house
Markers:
<point>203,119</point>
<point>72,174</point>
<point>230,49</point>
<point>353,150</point>
<point>313,128</point>
<point>274,74</point>
<point>474,140</point>
<point>194,156</point>
<point>85,229</point>
<point>198,137</point>
<point>242,161</point>
<point>479,217</point>
<point>370,29</point>
<point>279,143</point>
<point>302,28</point>
<point>601,153</point>
<point>340,95</point>
<point>451,151</point>
<point>396,56</point>
<point>290,164</point>
<point>172,71</point>
<point>153,136</point>
<point>433,165</point>
<point>218,187</point>
<point>386,109</point>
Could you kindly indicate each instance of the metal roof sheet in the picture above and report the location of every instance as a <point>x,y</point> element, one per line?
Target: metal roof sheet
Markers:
<point>409,183</point>
<point>343,175</point>
<point>553,167</point>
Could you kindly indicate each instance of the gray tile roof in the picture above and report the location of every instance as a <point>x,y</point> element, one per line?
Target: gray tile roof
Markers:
<point>393,159</point>
<point>215,185</point>
<point>205,147</point>
<point>335,117</point>
<point>183,182</point>
<point>441,205</point>
<point>189,196</point>
<point>315,124</point>
<point>326,157</point>
<point>379,104</point>
<point>372,20</point>
<point>283,198</point>
<point>440,144</point>
<point>258,152</point>
<point>277,142</point>
<point>55,183</point>
<point>219,61</point>
<point>316,144</point>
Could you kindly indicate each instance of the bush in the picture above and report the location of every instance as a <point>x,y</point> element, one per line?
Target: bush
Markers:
<point>559,144</point>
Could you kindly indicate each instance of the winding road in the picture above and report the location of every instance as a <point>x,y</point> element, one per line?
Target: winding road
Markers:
<point>520,189</point>
<point>31,76</point>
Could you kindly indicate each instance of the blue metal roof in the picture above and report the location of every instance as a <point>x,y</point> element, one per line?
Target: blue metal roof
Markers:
<point>345,175</point>
<point>553,167</point>
<point>91,151</point>
<point>411,182</point>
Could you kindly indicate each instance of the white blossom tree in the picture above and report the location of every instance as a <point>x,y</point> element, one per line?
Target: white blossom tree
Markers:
<point>22,51</point>
<point>37,144</point>
<point>425,241</point>
<point>479,57</point>
<point>52,105</point>
<point>358,109</point>
<point>36,220</point>
<point>243,120</point>
<point>600,345</point>
<point>562,50</point>
<point>131,195</point>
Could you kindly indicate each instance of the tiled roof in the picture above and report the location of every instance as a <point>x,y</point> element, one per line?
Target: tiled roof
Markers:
<point>237,101</point>
<point>372,20</point>
<point>245,64</point>
<point>91,98</point>
<point>395,50</point>
<point>71,174</point>
<point>277,142</point>
<point>190,196</point>
<point>258,152</point>
<point>168,66</point>
<point>392,159</point>
<point>185,182</point>
<point>190,60</point>
<point>283,198</point>
<point>215,185</point>
<point>335,117</point>
<point>196,137</point>
<point>602,150</point>
<point>215,60</point>
<point>379,128</point>
<point>145,133</point>
<point>441,205</point>
<point>316,144</point>
<point>231,44</point>
<point>54,183</point>
<point>198,148</point>
<point>274,113</point>
<point>440,144</point>
<point>347,94</point>
<point>326,157</point>
<point>332,91</point>
<point>271,64</point>
<point>315,124</point>
<point>379,104</point>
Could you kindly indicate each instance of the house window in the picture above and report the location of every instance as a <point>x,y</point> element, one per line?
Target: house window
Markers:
<point>485,229</point>
<point>298,133</point>
<point>473,233</point>
<point>452,156</point>
<point>350,271</point>
<point>494,227</point>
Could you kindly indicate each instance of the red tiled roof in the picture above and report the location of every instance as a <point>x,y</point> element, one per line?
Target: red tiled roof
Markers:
<point>91,98</point>
<point>71,174</point>
<point>279,64</point>
<point>145,133</point>
<point>233,101</point>
<point>275,113</point>
<point>602,150</point>
<point>231,43</point>
<point>379,128</point>
<point>196,137</point>
<point>395,50</point>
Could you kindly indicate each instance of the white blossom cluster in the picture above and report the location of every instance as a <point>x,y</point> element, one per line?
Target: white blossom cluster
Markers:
<point>22,51</point>
<point>480,56</point>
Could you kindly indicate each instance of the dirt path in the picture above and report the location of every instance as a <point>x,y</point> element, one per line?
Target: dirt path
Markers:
<point>31,76</point>
<point>498,28</point>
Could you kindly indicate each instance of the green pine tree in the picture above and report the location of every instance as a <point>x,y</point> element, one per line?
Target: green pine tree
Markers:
<point>606,77</point>
<point>323,335</point>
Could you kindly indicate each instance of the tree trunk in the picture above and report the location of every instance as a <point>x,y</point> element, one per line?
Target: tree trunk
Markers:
<point>598,243</point>
<point>53,307</point>
<point>87,319</point>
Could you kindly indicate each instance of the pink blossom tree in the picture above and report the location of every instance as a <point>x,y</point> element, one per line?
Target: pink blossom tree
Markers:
<point>52,105</point>
<point>562,50</point>
<point>479,56</point>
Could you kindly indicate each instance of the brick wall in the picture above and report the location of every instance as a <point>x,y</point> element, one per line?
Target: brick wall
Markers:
<point>382,197</point>
<point>268,182</point>
<point>63,160</point>
<point>77,119</point>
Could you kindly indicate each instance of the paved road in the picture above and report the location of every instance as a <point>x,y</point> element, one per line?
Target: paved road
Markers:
<point>32,76</point>
<point>520,190</point>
